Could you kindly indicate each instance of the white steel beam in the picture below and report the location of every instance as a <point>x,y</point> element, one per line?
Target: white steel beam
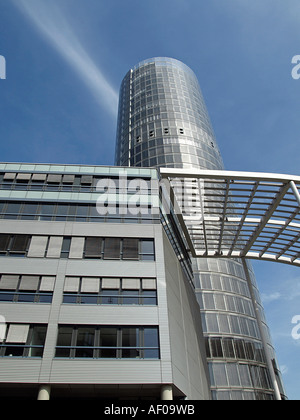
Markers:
<point>243,214</point>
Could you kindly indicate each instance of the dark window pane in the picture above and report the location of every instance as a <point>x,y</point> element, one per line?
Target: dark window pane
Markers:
<point>70,298</point>
<point>130,337</point>
<point>112,248</point>
<point>130,249</point>
<point>82,210</point>
<point>149,297</point>
<point>30,208</point>
<point>93,247</point>
<point>228,348</point>
<point>38,336</point>
<point>108,337</point>
<point>6,297</point>
<point>62,209</point>
<point>45,298</point>
<point>47,209</point>
<point>88,299</point>
<point>84,352</point>
<point>85,337</point>
<point>216,347</point>
<point>19,243</point>
<point>110,297</point>
<point>108,353</point>
<point>13,208</point>
<point>151,354</point>
<point>14,351</point>
<point>4,241</point>
<point>65,250</point>
<point>130,353</point>
<point>130,297</point>
<point>64,336</point>
<point>62,352</point>
<point>26,297</point>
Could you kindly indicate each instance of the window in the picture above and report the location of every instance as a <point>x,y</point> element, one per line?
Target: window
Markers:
<point>112,248</point>
<point>116,249</point>
<point>94,342</point>
<point>147,250</point>
<point>130,249</point>
<point>110,291</point>
<point>4,241</point>
<point>75,212</point>
<point>26,288</point>
<point>14,245</point>
<point>65,249</point>
<point>23,340</point>
<point>235,348</point>
<point>93,248</point>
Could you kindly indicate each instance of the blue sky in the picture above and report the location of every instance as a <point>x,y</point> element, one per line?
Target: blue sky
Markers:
<point>65,62</point>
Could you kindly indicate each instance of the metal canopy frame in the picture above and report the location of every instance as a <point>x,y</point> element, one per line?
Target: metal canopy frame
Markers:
<point>229,214</point>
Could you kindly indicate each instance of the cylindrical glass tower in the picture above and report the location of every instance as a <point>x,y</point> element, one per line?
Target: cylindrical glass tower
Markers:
<point>163,122</point>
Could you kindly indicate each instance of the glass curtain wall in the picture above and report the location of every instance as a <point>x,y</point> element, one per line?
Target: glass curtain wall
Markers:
<point>163,122</point>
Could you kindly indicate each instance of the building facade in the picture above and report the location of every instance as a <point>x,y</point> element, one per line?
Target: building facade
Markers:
<point>163,122</point>
<point>94,300</point>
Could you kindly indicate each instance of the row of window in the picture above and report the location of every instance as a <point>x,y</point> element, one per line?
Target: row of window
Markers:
<point>79,290</point>
<point>92,342</point>
<point>76,247</point>
<point>18,210</point>
<point>26,288</point>
<point>222,283</point>
<point>226,302</point>
<point>232,348</point>
<point>239,375</point>
<point>23,340</point>
<point>108,342</point>
<point>71,183</point>
<point>229,324</point>
<point>241,395</point>
<point>110,291</point>
<point>58,179</point>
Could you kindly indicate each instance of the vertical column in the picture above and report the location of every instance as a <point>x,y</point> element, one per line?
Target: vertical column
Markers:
<point>44,393</point>
<point>166,393</point>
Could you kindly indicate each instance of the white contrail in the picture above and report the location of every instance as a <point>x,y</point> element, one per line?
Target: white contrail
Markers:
<point>52,24</point>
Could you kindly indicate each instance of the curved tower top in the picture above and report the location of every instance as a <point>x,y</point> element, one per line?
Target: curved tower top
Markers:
<point>163,120</point>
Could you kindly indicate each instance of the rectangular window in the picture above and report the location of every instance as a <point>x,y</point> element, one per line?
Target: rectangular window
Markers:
<point>4,241</point>
<point>108,342</point>
<point>23,340</point>
<point>110,291</point>
<point>26,288</point>
<point>112,248</point>
<point>93,247</point>
<point>19,244</point>
<point>130,249</point>
<point>65,249</point>
<point>147,250</point>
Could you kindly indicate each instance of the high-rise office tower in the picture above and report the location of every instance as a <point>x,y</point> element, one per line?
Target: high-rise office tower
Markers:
<point>163,122</point>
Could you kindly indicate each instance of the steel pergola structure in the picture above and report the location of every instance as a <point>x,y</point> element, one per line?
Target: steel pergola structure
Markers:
<point>229,214</point>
